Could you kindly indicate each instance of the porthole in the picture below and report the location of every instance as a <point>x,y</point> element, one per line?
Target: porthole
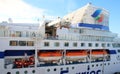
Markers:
<point>92,65</point>
<point>55,69</point>
<point>72,67</point>
<point>17,72</point>
<point>104,63</point>
<point>25,72</point>
<point>100,64</point>
<point>96,64</point>
<point>48,70</point>
<point>8,72</point>
<point>67,68</point>
<point>33,71</point>
<point>61,68</point>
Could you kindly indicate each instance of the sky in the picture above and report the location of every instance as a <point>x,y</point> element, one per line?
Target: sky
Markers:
<point>32,10</point>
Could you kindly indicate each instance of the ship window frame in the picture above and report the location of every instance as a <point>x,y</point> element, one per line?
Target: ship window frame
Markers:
<point>118,50</point>
<point>8,72</point>
<point>48,70</point>
<point>56,44</point>
<point>46,44</point>
<point>30,43</point>
<point>82,44</point>
<point>18,33</point>
<point>96,44</point>
<point>66,44</point>
<point>75,44</point>
<point>108,44</point>
<point>11,43</point>
<point>90,44</point>
<point>22,43</point>
<point>55,69</point>
<point>103,44</point>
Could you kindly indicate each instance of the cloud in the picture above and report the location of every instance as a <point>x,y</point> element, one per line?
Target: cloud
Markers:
<point>18,9</point>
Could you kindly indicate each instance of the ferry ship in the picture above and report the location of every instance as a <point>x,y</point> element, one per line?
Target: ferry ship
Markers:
<point>78,43</point>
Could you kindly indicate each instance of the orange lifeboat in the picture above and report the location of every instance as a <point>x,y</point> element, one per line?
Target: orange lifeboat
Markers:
<point>75,55</point>
<point>50,55</point>
<point>99,53</point>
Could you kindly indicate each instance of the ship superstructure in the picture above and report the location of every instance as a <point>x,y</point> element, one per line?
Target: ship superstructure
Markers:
<point>79,43</point>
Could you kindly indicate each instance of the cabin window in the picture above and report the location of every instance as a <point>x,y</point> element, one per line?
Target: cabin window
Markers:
<point>18,34</point>
<point>55,69</point>
<point>1,33</point>
<point>30,43</point>
<point>27,34</point>
<point>81,31</point>
<point>103,44</point>
<point>75,44</point>
<point>72,67</point>
<point>57,44</point>
<point>13,43</point>
<point>82,44</point>
<point>66,44</point>
<point>17,72</point>
<point>96,44</point>
<point>118,51</point>
<point>33,71</point>
<point>8,72</point>
<point>48,70</point>
<point>46,43</point>
<point>22,43</point>
<point>90,44</point>
<point>108,45</point>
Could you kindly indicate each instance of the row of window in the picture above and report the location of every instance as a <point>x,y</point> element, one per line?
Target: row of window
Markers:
<point>55,69</point>
<point>25,72</point>
<point>75,44</point>
<point>93,65</point>
<point>21,43</point>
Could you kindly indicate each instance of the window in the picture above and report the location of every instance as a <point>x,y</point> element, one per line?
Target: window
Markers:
<point>82,44</point>
<point>22,43</point>
<point>96,44</point>
<point>108,45</point>
<point>18,34</point>
<point>72,67</point>
<point>66,44</point>
<point>103,44</point>
<point>81,31</point>
<point>8,72</point>
<point>26,72</point>
<point>90,44</point>
<point>46,43</point>
<point>92,65</point>
<point>13,43</point>
<point>55,69</point>
<point>96,64</point>
<point>48,70</point>
<point>30,43</point>
<point>118,51</point>
<point>56,44</point>
<point>33,71</point>
<point>17,72</point>
<point>75,44</point>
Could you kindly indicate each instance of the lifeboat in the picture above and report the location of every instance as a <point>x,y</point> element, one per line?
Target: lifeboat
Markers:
<point>99,53</point>
<point>49,55</point>
<point>74,55</point>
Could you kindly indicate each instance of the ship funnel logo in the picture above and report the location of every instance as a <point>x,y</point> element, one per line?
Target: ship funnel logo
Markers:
<point>97,15</point>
